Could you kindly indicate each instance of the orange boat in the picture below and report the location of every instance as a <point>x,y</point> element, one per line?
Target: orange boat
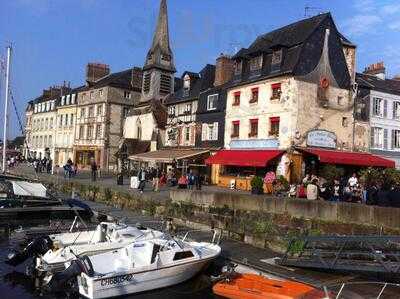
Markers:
<point>252,286</point>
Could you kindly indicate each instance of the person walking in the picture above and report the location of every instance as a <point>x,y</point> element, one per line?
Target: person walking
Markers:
<point>93,167</point>
<point>190,180</point>
<point>199,181</point>
<point>142,180</point>
<point>156,179</point>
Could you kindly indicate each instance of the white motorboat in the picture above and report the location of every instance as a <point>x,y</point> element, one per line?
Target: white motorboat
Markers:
<point>138,267</point>
<point>107,236</point>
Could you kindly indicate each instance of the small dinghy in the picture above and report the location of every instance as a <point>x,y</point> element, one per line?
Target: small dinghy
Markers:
<point>138,267</point>
<point>107,236</point>
<point>253,286</point>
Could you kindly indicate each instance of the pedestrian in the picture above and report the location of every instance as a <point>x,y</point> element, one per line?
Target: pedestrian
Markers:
<point>199,181</point>
<point>142,180</point>
<point>36,165</point>
<point>48,166</point>
<point>353,181</point>
<point>190,180</point>
<point>336,191</point>
<point>156,180</point>
<point>93,167</point>
<point>312,190</point>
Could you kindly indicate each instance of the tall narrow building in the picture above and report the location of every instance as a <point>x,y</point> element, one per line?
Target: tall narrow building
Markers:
<point>145,126</point>
<point>159,68</point>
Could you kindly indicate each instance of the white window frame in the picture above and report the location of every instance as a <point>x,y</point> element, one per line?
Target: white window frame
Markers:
<point>212,102</point>
<point>377,137</point>
<point>377,107</point>
<point>396,139</point>
<point>396,110</point>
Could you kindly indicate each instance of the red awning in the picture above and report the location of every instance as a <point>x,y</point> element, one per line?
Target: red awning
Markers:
<point>349,158</point>
<point>254,158</point>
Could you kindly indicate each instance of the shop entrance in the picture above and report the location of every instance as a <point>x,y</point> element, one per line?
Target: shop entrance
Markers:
<point>83,158</point>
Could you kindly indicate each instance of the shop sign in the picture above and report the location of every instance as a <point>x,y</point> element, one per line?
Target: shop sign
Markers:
<point>321,138</point>
<point>256,143</point>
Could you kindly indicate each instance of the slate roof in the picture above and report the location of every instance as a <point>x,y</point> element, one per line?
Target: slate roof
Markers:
<point>199,82</point>
<point>156,108</point>
<point>121,79</point>
<point>374,83</point>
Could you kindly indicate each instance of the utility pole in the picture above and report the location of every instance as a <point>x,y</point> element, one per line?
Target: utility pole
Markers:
<point>6,109</point>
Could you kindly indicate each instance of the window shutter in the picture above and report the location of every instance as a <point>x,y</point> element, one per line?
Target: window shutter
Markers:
<point>385,138</point>
<point>372,137</point>
<point>384,108</point>
<point>192,134</point>
<point>204,132</point>
<point>215,131</point>
<point>393,132</point>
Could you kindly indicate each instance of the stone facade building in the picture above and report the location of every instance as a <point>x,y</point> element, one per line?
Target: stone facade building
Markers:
<point>65,126</point>
<point>103,105</point>
<point>289,82</point>
<point>378,109</point>
<point>41,123</point>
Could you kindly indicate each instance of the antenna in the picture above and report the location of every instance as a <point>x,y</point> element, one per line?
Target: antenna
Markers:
<point>309,9</point>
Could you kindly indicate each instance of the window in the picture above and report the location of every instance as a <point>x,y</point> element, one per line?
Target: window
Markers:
<point>276,57</point>
<point>83,96</point>
<point>50,140</point>
<point>62,100</point>
<point>345,122</point>
<point>253,128</point>
<point>125,112</point>
<point>276,91</point>
<point>378,107</point>
<point>71,120</point>
<point>396,110</point>
<point>182,255</point>
<point>81,131</point>
<point>90,132</point>
<point>45,141</point>
<point>99,110</point>
<point>340,101</point>
<point>46,124</point>
<point>100,92</point>
<point>377,137</point>
<point>256,63</point>
<point>52,105</point>
<point>186,85</point>
<point>209,131</point>
<point>212,101</point>
<point>127,94</point>
<point>73,99</point>
<point>99,132</point>
<point>171,111</point>
<point>83,112</point>
<point>187,133</point>
<point>165,84</point>
<point>66,120</point>
<point>236,98</point>
<point>68,100</point>
<point>238,66</point>
<point>51,123</point>
<point>396,139</point>
<point>254,95</point>
<point>274,126</point>
<point>235,129</point>
<point>91,111</point>
<point>61,121</point>
<point>147,82</point>
<point>47,106</point>
<point>91,94</point>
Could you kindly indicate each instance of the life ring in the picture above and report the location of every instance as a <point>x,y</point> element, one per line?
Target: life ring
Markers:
<point>324,82</point>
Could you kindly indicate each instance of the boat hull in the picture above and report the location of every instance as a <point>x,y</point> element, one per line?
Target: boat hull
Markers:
<point>137,282</point>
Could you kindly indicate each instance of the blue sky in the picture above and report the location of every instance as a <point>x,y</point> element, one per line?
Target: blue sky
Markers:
<point>54,39</point>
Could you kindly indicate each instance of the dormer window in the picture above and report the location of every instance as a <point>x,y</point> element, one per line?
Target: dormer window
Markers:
<point>276,60</point>
<point>256,63</point>
<point>238,67</point>
<point>186,85</point>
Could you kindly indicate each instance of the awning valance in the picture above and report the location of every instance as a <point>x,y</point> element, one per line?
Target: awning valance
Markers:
<point>349,158</point>
<point>253,158</point>
<point>168,155</point>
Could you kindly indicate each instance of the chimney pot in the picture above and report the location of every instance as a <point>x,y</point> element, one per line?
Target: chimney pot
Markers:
<point>223,69</point>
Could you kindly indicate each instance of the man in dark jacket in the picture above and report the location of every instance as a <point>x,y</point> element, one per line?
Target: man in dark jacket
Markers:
<point>93,167</point>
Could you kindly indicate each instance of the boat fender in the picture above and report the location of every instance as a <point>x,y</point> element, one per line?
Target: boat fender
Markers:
<point>78,266</point>
<point>37,247</point>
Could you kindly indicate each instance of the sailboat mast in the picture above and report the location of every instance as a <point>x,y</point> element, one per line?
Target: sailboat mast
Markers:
<point>6,109</point>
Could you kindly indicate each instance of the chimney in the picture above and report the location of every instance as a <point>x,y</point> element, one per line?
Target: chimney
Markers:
<point>47,93</point>
<point>95,71</point>
<point>223,69</point>
<point>376,69</point>
<point>136,79</point>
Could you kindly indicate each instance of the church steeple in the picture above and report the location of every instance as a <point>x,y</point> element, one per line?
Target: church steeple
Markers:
<point>159,68</point>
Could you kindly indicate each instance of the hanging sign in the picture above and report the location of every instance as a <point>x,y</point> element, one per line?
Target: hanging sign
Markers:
<point>321,138</point>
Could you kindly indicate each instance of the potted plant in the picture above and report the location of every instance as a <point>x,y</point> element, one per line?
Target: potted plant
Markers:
<point>257,185</point>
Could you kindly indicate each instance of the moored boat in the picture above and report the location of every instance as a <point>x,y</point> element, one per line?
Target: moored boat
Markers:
<point>139,267</point>
<point>253,286</point>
